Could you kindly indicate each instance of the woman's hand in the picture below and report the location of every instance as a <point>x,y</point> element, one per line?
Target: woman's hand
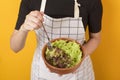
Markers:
<point>33,21</point>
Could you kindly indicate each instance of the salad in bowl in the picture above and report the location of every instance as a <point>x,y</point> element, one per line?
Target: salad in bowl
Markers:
<point>65,57</point>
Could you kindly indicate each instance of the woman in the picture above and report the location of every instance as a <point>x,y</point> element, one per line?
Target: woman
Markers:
<point>61,18</point>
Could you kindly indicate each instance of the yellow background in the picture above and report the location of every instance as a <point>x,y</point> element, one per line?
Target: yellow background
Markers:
<point>106,58</point>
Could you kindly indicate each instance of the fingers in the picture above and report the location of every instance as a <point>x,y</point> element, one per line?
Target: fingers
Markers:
<point>31,25</point>
<point>83,52</point>
<point>33,20</point>
<point>37,14</point>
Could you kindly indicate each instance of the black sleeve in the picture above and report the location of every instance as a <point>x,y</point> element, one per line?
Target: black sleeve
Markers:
<point>95,17</point>
<point>23,11</point>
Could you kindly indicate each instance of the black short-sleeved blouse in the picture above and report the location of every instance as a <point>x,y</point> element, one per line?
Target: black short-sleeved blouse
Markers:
<point>90,11</point>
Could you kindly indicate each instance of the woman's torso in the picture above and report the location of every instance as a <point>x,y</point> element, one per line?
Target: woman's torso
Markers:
<point>63,8</point>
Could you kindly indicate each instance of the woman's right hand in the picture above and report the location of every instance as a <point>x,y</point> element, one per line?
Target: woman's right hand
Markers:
<point>33,21</point>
